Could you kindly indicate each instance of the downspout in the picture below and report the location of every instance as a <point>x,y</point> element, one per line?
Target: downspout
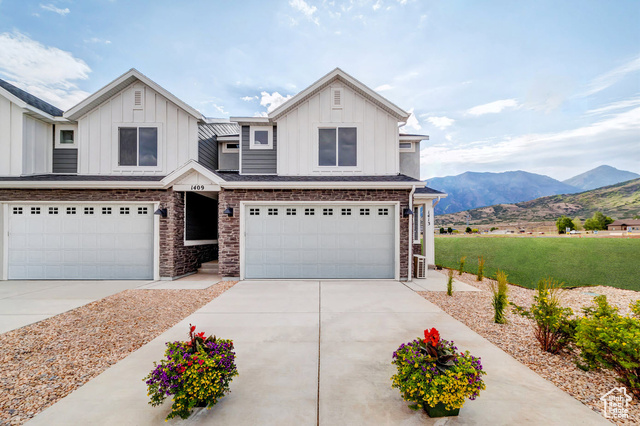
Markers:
<point>411,221</point>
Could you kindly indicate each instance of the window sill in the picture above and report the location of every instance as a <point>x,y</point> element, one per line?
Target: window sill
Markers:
<point>199,242</point>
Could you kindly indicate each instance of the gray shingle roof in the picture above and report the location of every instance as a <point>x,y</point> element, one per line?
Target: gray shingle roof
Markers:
<point>427,190</point>
<point>31,100</point>
<point>235,177</point>
<point>80,178</point>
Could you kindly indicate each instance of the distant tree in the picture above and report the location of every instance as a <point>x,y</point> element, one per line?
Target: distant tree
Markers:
<point>636,216</point>
<point>468,230</point>
<point>493,228</point>
<point>475,230</point>
<point>442,231</point>
<point>449,230</point>
<point>597,222</point>
<point>577,224</point>
<point>563,223</point>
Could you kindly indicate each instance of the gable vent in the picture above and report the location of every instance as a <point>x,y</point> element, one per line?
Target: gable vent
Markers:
<point>336,98</point>
<point>137,99</point>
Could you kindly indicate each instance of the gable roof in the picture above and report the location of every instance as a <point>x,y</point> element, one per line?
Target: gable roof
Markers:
<point>118,85</point>
<point>347,80</point>
<point>29,99</point>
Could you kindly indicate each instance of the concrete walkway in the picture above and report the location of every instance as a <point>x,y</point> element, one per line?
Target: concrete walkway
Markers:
<point>25,302</point>
<point>313,353</point>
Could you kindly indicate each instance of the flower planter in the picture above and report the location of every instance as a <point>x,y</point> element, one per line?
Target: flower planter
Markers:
<point>440,410</point>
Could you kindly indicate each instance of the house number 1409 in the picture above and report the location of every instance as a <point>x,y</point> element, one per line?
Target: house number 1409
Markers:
<point>197,187</point>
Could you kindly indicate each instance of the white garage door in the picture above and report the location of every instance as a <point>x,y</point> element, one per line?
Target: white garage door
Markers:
<point>319,241</point>
<point>80,241</point>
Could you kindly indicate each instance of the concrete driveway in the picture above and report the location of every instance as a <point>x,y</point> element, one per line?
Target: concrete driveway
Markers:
<point>319,353</point>
<point>25,302</point>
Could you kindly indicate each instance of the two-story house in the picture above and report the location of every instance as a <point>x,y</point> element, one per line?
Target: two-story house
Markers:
<point>133,183</point>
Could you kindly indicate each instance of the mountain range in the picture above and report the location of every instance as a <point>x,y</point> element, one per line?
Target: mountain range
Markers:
<point>471,190</point>
<point>619,201</point>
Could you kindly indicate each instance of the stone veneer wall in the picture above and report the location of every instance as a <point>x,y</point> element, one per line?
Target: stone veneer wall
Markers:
<point>176,259</point>
<point>229,227</point>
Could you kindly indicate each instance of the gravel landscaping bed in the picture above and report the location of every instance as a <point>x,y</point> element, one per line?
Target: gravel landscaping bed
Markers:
<point>517,339</point>
<point>43,362</point>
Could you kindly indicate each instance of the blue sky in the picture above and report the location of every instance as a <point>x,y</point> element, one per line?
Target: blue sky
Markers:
<point>543,86</point>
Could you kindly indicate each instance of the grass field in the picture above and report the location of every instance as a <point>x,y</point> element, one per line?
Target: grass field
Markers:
<point>576,261</point>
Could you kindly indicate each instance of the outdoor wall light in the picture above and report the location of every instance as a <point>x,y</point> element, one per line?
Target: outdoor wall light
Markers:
<point>407,212</point>
<point>228,211</point>
<point>161,212</point>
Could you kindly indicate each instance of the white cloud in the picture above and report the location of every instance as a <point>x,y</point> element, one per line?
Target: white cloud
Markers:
<point>412,123</point>
<point>441,122</point>
<point>52,8</point>
<point>614,106</point>
<point>260,114</point>
<point>249,98</point>
<point>377,5</point>
<point>97,40</point>
<point>273,100</point>
<point>306,10</point>
<point>383,88</point>
<point>46,72</point>
<point>493,107</point>
<point>608,79</point>
<point>449,137</point>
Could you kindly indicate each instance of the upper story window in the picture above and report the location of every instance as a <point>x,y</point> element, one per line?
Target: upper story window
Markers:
<point>65,136</point>
<point>407,147</point>
<point>230,147</point>
<point>261,137</point>
<point>138,146</point>
<point>338,146</point>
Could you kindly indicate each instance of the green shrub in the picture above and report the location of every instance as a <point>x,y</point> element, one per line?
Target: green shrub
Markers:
<point>461,268</point>
<point>480,268</point>
<point>554,327</point>
<point>450,283</point>
<point>500,299</point>
<point>442,231</point>
<point>475,230</point>
<point>609,340</point>
<point>467,230</point>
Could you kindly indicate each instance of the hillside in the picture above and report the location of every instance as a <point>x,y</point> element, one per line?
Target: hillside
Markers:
<point>618,201</point>
<point>599,177</point>
<point>470,190</point>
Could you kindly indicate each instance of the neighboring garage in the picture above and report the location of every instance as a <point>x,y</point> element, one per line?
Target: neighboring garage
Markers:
<point>80,241</point>
<point>318,241</point>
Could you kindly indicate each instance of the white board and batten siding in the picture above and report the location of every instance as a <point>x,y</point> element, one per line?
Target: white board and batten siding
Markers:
<point>98,133</point>
<point>11,128</point>
<point>38,146</point>
<point>377,149</point>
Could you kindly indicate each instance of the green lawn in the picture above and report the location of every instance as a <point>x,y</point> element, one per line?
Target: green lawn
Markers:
<point>576,261</point>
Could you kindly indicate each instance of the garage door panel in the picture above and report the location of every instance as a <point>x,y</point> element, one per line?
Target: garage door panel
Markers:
<point>327,244</point>
<point>90,244</point>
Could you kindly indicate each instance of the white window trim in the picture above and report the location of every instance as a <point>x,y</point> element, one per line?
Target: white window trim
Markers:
<point>316,141</point>
<point>60,128</point>
<point>227,150</point>
<point>416,221</point>
<point>412,149</point>
<point>115,156</point>
<point>252,130</point>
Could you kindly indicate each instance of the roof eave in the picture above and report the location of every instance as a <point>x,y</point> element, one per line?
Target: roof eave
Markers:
<point>400,114</point>
<point>87,104</point>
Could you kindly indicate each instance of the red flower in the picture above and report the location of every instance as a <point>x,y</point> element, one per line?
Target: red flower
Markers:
<point>193,328</point>
<point>189,363</point>
<point>432,336</point>
<point>200,335</point>
<point>201,361</point>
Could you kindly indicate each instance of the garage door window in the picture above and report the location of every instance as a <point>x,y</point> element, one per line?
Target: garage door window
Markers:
<point>17,210</point>
<point>71,210</point>
<point>309,212</point>
<point>88,210</point>
<point>53,210</point>
<point>35,210</point>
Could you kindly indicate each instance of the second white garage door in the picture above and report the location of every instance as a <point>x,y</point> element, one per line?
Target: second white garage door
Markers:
<point>80,241</point>
<point>319,241</point>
